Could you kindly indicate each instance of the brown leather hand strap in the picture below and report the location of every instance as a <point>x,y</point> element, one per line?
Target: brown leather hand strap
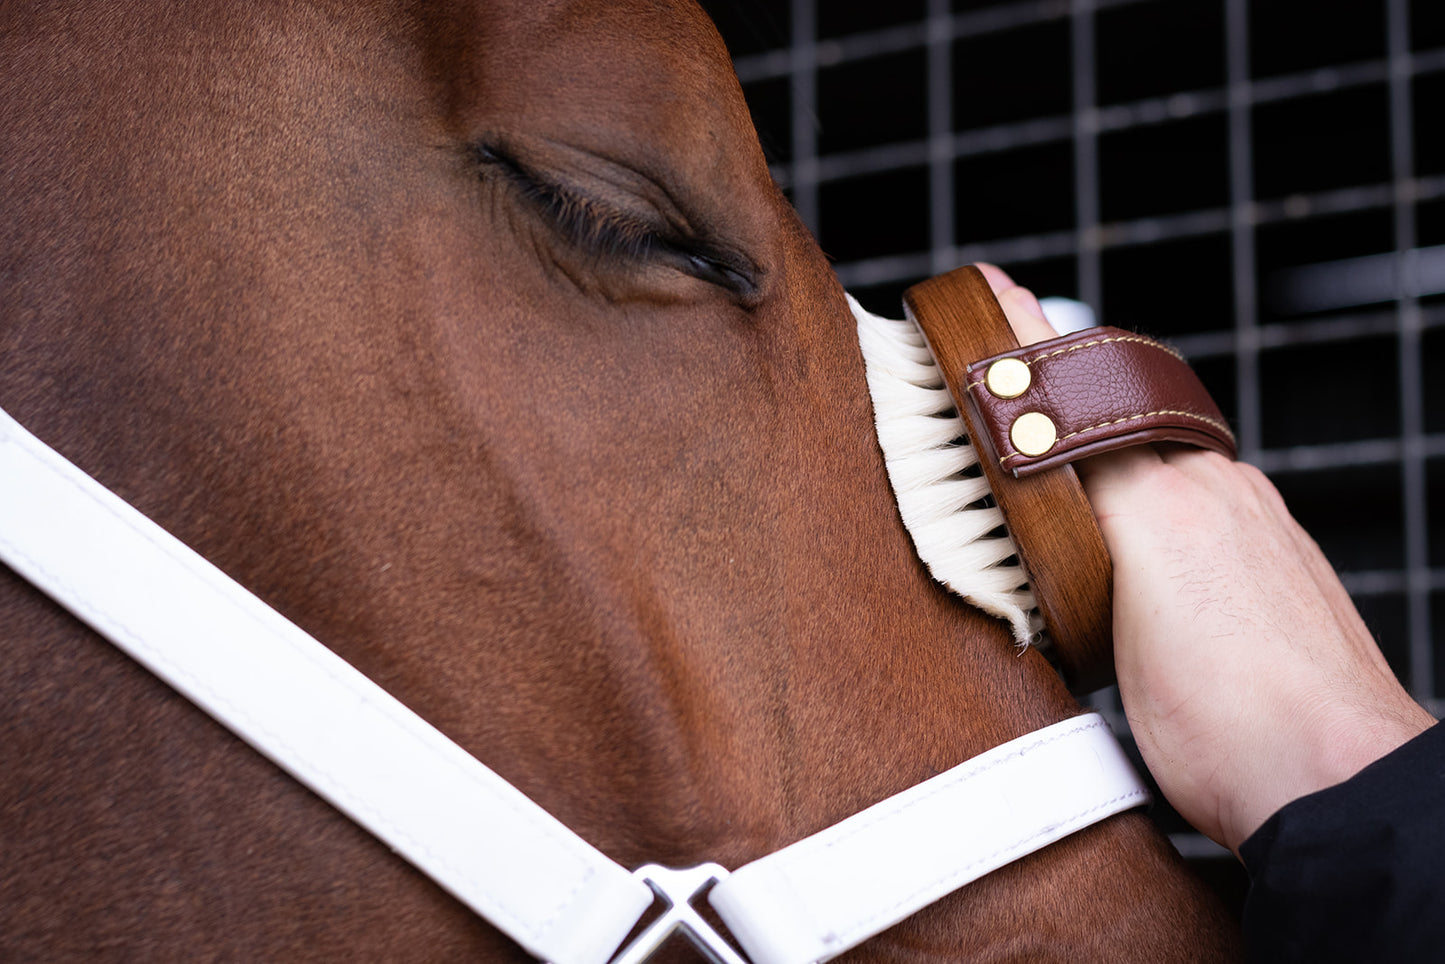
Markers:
<point>1090,392</point>
<point>1047,513</point>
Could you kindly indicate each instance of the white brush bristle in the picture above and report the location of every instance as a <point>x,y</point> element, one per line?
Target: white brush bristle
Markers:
<point>935,477</point>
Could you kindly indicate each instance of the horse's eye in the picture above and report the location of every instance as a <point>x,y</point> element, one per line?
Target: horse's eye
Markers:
<point>606,231</point>
<point>715,272</point>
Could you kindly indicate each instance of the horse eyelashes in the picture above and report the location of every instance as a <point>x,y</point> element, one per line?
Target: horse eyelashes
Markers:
<point>603,231</point>
<point>582,221</point>
<point>608,233</point>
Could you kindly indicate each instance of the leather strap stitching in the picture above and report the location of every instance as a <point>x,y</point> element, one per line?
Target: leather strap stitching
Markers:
<point>963,873</point>
<point>1131,418</point>
<point>1136,339</point>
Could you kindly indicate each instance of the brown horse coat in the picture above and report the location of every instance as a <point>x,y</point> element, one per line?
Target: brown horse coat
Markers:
<point>476,339</point>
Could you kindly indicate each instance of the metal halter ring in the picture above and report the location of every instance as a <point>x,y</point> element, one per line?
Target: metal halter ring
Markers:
<point>678,889</point>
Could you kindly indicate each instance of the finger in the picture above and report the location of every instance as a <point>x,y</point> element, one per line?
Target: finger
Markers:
<point>1019,305</point>
<point>1195,458</point>
<point>1109,479</point>
<point>996,277</point>
<point>1119,464</point>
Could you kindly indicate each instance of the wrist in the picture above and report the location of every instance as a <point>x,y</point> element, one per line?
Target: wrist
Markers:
<point>1329,746</point>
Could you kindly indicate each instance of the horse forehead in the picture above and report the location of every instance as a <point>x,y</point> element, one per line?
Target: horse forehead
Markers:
<point>634,69</point>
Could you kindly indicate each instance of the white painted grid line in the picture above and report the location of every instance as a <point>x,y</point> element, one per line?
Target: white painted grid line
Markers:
<point>1412,393</point>
<point>1086,156</point>
<point>1247,429</point>
<point>940,136</point>
<point>803,66</point>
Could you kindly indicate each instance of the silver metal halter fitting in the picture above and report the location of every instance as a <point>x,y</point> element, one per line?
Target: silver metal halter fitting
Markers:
<point>678,889</point>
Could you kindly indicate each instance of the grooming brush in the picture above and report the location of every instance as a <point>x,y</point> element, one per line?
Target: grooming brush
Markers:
<point>942,493</point>
<point>1004,525</point>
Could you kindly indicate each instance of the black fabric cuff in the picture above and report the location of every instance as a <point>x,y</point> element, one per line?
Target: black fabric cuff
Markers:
<point>1355,871</point>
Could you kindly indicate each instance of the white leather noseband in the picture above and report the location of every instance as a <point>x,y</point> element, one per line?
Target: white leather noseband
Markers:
<point>475,834</point>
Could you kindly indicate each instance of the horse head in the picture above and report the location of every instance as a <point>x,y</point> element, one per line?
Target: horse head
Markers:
<point>476,339</point>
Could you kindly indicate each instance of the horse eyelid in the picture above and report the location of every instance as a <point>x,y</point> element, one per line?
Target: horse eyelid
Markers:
<point>721,273</point>
<point>588,224</point>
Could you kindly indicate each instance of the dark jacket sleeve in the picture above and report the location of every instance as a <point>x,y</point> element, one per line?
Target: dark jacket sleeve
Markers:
<point>1355,872</point>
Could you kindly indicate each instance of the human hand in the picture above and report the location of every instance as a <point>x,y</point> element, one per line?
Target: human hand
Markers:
<point>1246,673</point>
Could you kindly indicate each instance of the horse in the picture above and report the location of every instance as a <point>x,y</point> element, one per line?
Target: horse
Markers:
<point>476,339</point>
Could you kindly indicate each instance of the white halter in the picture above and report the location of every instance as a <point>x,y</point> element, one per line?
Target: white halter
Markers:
<point>474,833</point>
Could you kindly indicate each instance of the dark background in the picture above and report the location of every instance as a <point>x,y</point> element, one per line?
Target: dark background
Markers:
<point>1170,162</point>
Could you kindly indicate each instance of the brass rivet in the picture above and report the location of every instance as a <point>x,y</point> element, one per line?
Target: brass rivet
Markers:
<point>1008,378</point>
<point>1033,433</point>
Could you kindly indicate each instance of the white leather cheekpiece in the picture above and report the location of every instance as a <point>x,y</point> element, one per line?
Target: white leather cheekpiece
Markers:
<point>308,710</point>
<point>467,828</point>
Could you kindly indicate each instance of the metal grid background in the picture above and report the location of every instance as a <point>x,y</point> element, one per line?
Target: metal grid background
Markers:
<point>1179,165</point>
